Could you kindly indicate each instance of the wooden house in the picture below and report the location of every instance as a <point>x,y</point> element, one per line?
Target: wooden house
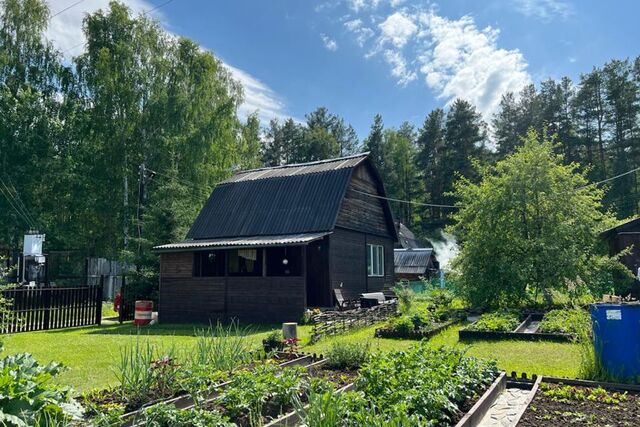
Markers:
<point>406,238</point>
<point>271,242</point>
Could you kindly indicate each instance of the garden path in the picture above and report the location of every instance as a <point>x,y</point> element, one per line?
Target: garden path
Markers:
<point>505,409</point>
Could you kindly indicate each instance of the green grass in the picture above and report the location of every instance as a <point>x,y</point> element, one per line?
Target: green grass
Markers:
<point>92,352</point>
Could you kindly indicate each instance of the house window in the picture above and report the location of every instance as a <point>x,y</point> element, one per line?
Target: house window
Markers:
<point>245,262</point>
<point>375,260</point>
<point>285,261</point>
<point>208,264</point>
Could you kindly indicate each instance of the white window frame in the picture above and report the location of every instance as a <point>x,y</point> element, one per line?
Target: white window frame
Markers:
<point>375,260</point>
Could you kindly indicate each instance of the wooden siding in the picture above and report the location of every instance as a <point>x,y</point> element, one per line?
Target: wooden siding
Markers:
<point>187,299</point>
<point>624,240</point>
<point>349,262</point>
<point>360,212</point>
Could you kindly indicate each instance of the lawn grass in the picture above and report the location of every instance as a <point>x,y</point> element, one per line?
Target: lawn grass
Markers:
<point>91,353</point>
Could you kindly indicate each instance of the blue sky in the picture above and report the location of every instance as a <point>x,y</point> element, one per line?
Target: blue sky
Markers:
<point>397,58</point>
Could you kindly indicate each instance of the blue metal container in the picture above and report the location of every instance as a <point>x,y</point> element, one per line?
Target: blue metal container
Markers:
<point>616,332</point>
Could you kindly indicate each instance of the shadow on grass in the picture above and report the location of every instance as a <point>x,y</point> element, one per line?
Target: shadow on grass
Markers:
<point>187,330</point>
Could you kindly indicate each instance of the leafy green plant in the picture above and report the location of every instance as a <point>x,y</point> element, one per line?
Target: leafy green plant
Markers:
<point>566,321</point>
<point>144,372</point>
<point>405,298</point>
<point>422,382</point>
<point>499,321</point>
<point>29,398</point>
<point>569,394</point>
<point>249,391</point>
<point>163,415</point>
<point>343,355</point>
<point>402,324</point>
<point>222,348</point>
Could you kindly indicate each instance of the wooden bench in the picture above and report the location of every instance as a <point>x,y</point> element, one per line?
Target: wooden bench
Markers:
<point>343,302</point>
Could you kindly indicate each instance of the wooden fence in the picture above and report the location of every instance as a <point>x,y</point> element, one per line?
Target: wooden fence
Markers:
<point>36,309</point>
<point>337,322</point>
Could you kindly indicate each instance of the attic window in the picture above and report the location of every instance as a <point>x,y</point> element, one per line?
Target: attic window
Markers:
<point>375,260</point>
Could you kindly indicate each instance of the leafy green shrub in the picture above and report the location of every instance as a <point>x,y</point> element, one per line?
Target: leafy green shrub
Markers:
<point>499,321</point>
<point>427,383</point>
<point>29,398</point>
<point>566,321</point>
<point>405,297</point>
<point>163,415</point>
<point>344,355</point>
<point>402,324</point>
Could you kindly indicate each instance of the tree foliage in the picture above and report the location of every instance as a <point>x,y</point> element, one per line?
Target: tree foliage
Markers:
<point>529,226</point>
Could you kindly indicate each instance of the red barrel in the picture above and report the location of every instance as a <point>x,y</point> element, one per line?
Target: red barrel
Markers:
<point>144,311</point>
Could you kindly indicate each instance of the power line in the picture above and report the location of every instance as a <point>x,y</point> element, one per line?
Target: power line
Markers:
<point>609,179</point>
<point>11,203</point>
<point>433,205</point>
<point>18,200</point>
<point>144,12</point>
<point>65,9</point>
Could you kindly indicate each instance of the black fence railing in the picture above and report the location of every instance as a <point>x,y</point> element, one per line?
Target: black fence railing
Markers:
<point>36,309</point>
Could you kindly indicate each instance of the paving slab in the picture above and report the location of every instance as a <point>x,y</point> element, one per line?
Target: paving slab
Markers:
<point>505,409</point>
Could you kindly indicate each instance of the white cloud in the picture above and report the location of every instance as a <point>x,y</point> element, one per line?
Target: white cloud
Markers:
<point>397,29</point>
<point>545,10</point>
<point>361,32</point>
<point>358,5</point>
<point>65,29</point>
<point>65,32</point>
<point>329,43</point>
<point>399,68</point>
<point>460,61</point>
<point>455,58</point>
<point>258,97</point>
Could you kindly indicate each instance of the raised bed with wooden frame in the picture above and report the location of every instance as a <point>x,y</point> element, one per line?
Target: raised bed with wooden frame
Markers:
<point>520,333</point>
<point>413,335</point>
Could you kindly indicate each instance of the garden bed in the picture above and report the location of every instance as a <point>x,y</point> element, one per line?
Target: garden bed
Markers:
<point>283,360</point>
<point>528,329</point>
<point>423,333</point>
<point>574,402</point>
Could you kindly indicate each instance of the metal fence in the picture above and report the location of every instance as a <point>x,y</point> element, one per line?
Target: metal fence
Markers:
<point>35,309</point>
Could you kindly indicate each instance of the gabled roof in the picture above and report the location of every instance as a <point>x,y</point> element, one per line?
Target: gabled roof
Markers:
<point>412,261</point>
<point>628,226</point>
<point>283,200</point>
<point>406,238</point>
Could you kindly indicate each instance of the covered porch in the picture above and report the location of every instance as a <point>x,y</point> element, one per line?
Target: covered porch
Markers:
<point>266,278</point>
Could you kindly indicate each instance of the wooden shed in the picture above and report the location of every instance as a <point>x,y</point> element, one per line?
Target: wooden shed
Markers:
<point>624,236</point>
<point>271,242</point>
<point>413,264</point>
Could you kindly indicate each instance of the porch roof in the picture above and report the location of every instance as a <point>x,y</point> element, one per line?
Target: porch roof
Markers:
<point>242,242</point>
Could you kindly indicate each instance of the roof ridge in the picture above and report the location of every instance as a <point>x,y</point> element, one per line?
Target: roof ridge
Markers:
<point>315,162</point>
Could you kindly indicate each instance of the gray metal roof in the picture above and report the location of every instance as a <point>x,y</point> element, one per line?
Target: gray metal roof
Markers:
<point>242,242</point>
<point>406,238</point>
<point>412,261</point>
<point>299,169</point>
<point>283,200</point>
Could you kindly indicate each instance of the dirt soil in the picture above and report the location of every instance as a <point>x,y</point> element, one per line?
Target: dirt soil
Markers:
<point>340,378</point>
<point>546,412</point>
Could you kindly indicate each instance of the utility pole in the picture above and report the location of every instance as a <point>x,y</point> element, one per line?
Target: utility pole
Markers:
<point>141,199</point>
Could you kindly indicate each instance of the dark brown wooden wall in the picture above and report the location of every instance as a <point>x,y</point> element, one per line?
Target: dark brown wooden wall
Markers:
<point>187,299</point>
<point>623,241</point>
<point>349,262</point>
<point>361,212</point>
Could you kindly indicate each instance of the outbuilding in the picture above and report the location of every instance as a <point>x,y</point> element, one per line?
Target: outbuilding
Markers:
<point>272,242</point>
<point>413,264</point>
<point>623,236</point>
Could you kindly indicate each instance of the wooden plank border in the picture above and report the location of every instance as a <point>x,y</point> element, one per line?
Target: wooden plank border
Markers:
<point>479,410</point>
<point>389,333</point>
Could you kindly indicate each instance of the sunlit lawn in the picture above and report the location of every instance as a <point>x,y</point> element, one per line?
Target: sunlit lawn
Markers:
<point>91,353</point>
